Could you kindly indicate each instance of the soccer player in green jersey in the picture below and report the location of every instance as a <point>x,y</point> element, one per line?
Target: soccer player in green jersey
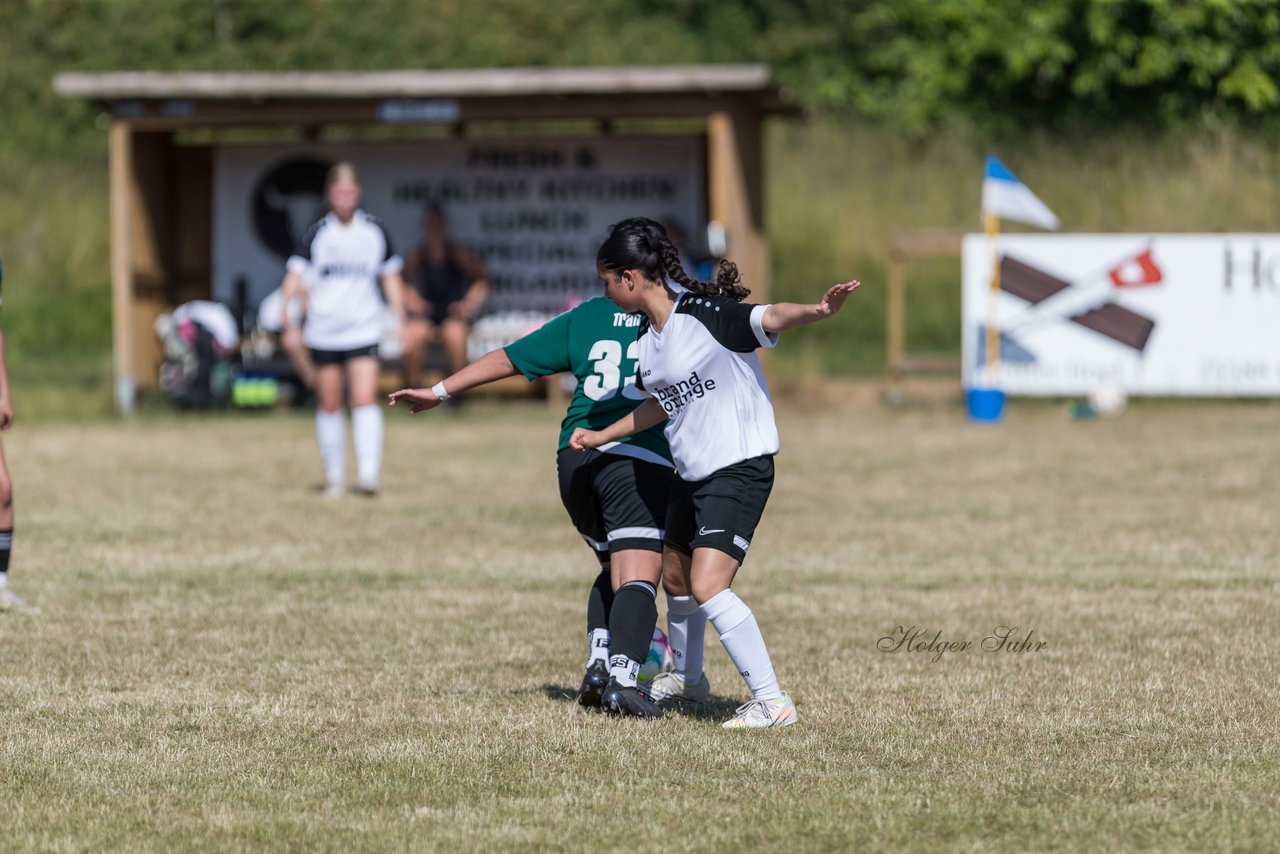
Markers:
<point>616,495</point>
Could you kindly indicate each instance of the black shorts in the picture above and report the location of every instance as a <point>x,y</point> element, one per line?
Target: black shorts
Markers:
<point>440,304</point>
<point>615,502</point>
<point>722,511</point>
<point>438,316</point>
<point>341,357</point>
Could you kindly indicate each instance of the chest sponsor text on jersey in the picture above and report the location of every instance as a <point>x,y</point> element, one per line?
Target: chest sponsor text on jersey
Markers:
<point>346,270</point>
<point>674,397</point>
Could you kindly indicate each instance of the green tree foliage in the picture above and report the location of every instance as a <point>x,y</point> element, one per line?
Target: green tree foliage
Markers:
<point>911,63</point>
<point>1068,61</point>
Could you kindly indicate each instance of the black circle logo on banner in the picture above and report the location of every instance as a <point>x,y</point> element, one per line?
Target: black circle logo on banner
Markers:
<point>288,199</point>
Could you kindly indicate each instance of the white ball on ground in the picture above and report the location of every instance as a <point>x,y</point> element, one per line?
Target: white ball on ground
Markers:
<point>1108,400</point>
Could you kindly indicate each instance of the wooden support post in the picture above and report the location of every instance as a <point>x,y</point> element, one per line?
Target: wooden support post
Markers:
<point>153,224</point>
<point>121,170</point>
<point>736,193</point>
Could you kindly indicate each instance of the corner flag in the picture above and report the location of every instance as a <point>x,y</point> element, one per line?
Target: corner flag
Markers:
<point>1006,197</point>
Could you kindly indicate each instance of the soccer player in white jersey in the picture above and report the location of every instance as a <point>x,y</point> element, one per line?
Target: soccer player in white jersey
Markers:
<point>697,363</point>
<point>344,258</point>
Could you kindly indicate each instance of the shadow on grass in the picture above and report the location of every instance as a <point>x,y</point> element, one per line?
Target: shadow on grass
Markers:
<point>560,693</point>
<point>714,707</point>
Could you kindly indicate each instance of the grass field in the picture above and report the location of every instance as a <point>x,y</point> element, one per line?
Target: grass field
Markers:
<point>224,660</point>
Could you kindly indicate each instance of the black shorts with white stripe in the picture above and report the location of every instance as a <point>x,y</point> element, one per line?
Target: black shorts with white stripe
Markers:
<point>720,512</point>
<point>341,357</point>
<point>616,502</point>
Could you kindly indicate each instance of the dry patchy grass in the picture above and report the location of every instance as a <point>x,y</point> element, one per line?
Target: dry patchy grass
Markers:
<point>225,660</point>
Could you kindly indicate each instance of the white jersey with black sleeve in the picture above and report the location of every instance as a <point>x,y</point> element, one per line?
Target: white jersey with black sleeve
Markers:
<point>342,266</point>
<point>702,368</point>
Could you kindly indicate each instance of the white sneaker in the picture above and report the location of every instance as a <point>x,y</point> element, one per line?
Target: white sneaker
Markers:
<point>334,491</point>
<point>10,601</point>
<point>759,714</point>
<point>669,685</point>
<point>367,488</point>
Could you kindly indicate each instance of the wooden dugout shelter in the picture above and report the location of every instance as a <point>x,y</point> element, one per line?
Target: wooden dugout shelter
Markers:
<point>161,190</point>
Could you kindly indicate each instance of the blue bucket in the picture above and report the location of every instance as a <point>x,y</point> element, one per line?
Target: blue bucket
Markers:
<point>986,405</point>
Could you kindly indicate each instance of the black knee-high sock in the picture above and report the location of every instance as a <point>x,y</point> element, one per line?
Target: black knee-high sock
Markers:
<point>631,629</point>
<point>599,606</point>
<point>6,543</point>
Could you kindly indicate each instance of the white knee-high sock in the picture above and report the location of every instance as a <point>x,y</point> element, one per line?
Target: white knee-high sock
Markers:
<point>331,430</point>
<point>598,647</point>
<point>366,424</point>
<point>686,632</point>
<point>744,643</point>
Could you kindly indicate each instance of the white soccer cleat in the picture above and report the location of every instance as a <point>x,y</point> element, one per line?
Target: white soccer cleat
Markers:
<point>334,491</point>
<point>10,601</point>
<point>366,488</point>
<point>760,714</point>
<point>669,685</point>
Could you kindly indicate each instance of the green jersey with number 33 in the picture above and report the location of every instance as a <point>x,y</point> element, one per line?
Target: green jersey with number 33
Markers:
<point>596,342</point>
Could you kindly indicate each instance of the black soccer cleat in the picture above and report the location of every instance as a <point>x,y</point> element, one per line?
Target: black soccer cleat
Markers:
<point>593,685</point>
<point>628,701</point>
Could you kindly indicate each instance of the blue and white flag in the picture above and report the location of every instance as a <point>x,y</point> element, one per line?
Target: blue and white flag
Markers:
<point>1008,198</point>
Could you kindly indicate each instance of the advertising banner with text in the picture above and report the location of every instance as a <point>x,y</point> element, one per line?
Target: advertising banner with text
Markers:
<point>535,210</point>
<point>1154,314</point>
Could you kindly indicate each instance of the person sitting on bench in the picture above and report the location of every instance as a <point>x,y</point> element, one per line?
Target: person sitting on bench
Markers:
<point>445,287</point>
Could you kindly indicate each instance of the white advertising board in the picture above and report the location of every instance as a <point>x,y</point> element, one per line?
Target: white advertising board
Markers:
<point>1154,314</point>
<point>535,210</point>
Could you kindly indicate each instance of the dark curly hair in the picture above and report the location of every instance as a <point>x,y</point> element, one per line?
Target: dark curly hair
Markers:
<point>642,244</point>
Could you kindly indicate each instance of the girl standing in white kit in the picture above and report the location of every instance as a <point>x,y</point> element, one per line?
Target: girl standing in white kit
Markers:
<point>343,259</point>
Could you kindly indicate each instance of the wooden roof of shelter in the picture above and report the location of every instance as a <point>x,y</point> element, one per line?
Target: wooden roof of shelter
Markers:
<point>417,84</point>
<point>189,99</point>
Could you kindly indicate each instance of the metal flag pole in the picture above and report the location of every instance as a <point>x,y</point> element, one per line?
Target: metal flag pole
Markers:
<point>992,367</point>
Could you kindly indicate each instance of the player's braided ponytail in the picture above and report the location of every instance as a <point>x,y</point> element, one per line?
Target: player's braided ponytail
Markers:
<point>727,283</point>
<point>642,244</point>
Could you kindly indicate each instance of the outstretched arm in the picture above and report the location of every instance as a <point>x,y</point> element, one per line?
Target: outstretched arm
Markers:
<point>492,366</point>
<point>788,315</point>
<point>646,415</point>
